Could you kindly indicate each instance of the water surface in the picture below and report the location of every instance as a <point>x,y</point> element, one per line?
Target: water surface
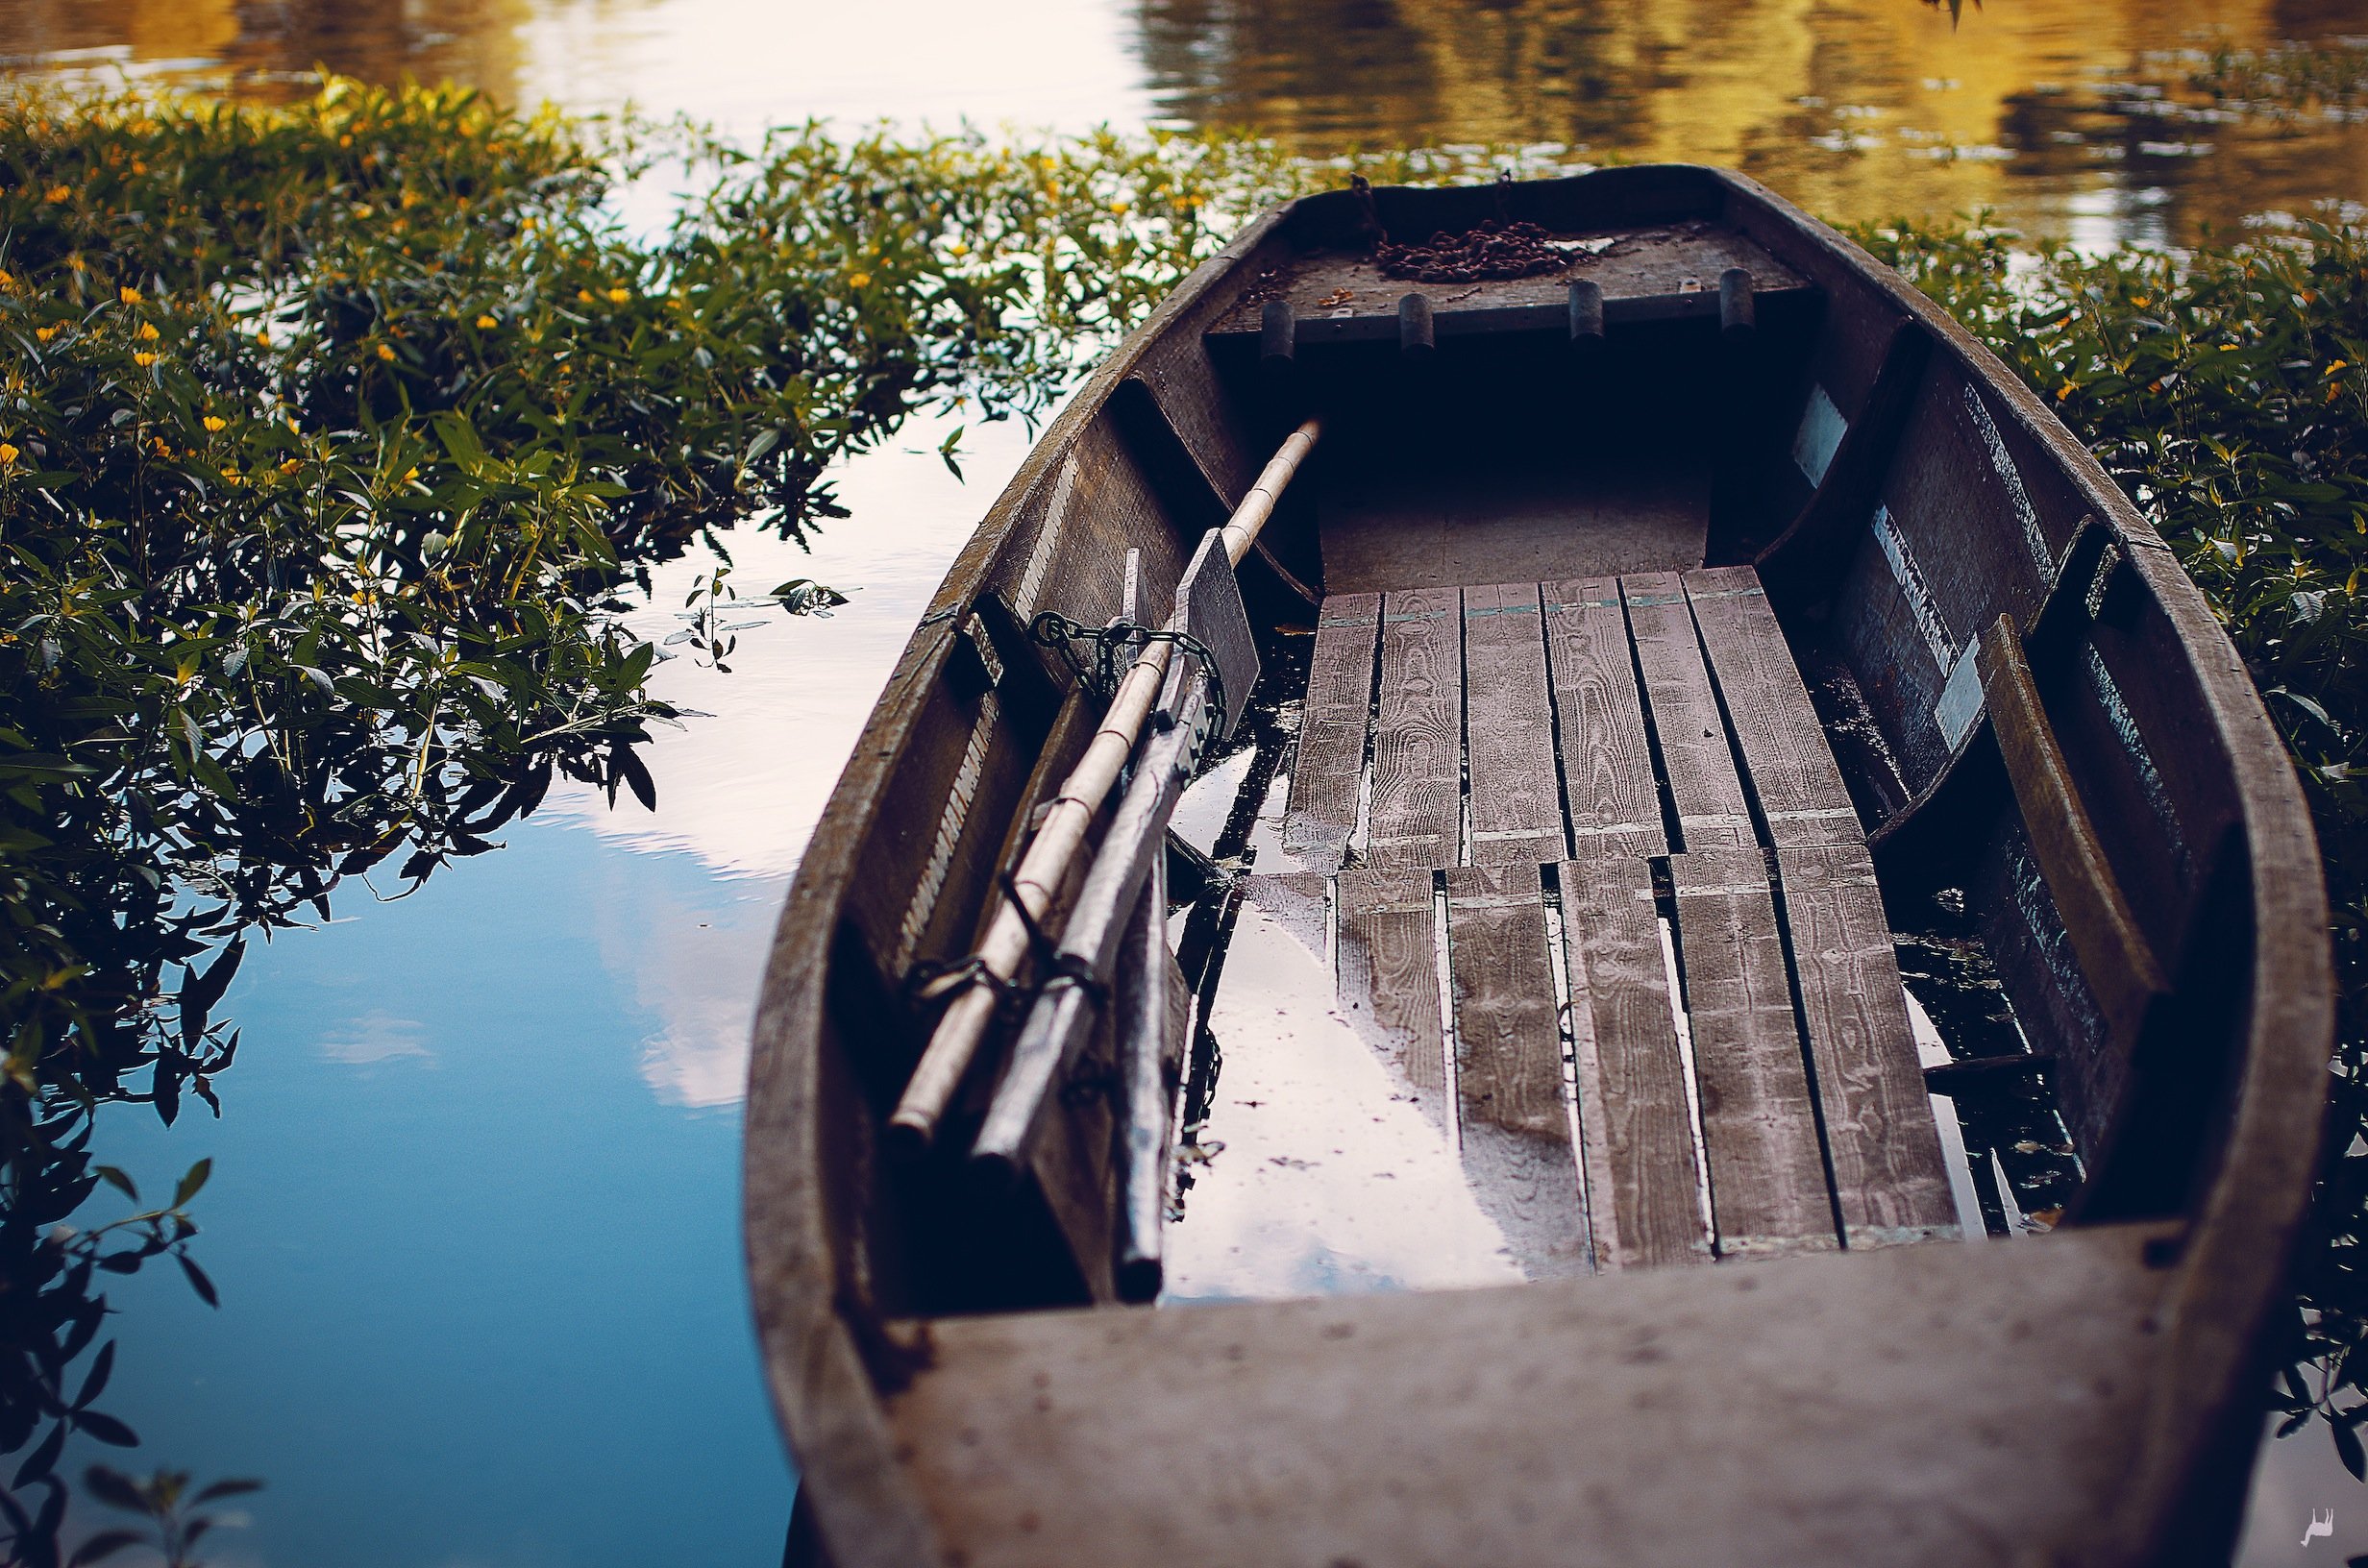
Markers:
<point>474,1208</point>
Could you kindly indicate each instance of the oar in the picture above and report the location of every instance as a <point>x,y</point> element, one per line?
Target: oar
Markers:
<point>954,1043</point>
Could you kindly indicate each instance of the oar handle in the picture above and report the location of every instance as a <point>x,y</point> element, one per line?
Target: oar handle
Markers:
<point>953,1045</point>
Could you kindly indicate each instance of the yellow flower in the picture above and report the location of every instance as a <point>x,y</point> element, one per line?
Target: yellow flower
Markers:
<point>128,294</point>
<point>263,338</point>
<point>7,455</point>
<point>148,333</point>
<point>583,296</point>
<point>291,466</point>
<point>411,475</point>
<point>58,193</point>
<point>362,209</point>
<point>858,280</point>
<point>139,167</point>
<point>2062,392</point>
<point>6,279</point>
<point>386,351</point>
<point>217,424</point>
<point>486,324</point>
<point>957,248</point>
<point>143,360</point>
<point>618,296</point>
<point>2338,366</point>
<point>45,333</point>
<point>230,473</point>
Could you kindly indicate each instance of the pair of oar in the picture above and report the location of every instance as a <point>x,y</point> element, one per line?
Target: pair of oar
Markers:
<point>1208,607</point>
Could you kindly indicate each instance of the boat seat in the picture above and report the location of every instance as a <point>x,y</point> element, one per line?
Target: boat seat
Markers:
<point>1578,803</point>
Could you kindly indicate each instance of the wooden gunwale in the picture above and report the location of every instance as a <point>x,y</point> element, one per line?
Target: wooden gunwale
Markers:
<point>2219,1277</point>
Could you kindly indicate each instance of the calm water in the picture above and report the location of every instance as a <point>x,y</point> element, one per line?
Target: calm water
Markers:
<point>475,1207</point>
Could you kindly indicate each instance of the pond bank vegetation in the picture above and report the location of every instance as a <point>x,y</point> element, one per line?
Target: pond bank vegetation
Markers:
<point>335,439</point>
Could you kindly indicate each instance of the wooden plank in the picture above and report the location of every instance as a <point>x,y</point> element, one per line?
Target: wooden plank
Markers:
<point>1514,1119</point>
<point>1389,976</point>
<point>1890,1179</point>
<point>1328,773</point>
<point>1709,795</point>
<point>1801,795</point>
<point>1517,812</point>
<point>1418,803</point>
<point>1636,1133</point>
<point>1607,761</point>
<point>1788,1412</point>
<point>1767,1174</point>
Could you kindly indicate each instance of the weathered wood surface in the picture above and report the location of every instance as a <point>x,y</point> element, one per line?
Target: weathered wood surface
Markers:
<point>1801,795</point>
<point>1516,811</point>
<point>1847,1409</point>
<point>1767,1175</point>
<point>1644,1190</point>
<point>1508,515</point>
<point>1889,1180</point>
<point>1607,761</point>
<point>1514,1121</point>
<point>1328,772</point>
<point>1418,796</point>
<point>1694,754</point>
<point>1389,978</point>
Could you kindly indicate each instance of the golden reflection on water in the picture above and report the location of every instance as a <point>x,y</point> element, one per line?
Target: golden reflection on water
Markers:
<point>1856,108</point>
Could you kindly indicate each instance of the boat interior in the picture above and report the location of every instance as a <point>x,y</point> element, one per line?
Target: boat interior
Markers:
<point>1639,875</point>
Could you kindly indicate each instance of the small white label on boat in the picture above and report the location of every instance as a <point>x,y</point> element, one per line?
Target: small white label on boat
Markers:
<point>1960,699</point>
<point>1819,436</point>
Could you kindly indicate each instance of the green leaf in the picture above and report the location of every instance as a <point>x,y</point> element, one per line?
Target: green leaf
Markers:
<point>193,1182</point>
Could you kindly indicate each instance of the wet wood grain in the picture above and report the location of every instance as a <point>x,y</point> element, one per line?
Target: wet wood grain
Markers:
<point>1801,794</point>
<point>1707,792</point>
<point>1636,1133</point>
<point>1888,1178</point>
<point>1767,1175</point>
<point>1417,812</point>
<point>1515,1121</point>
<point>1516,813</point>
<point>1328,773</point>
<point>1607,763</point>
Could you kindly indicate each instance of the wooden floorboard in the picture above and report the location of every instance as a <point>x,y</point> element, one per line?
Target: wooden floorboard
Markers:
<point>1515,1121</point>
<point>1607,763</point>
<point>1636,1133</point>
<point>1389,976</point>
<point>1888,1176</point>
<point>1416,818</point>
<point>1327,774</point>
<point>1517,812</point>
<point>1800,790</point>
<point>1767,1174</point>
<point>1694,754</point>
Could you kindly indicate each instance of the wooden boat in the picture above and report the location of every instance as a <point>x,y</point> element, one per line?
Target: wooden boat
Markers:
<point>1689,614</point>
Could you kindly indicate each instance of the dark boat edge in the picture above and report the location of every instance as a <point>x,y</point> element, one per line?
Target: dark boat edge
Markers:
<point>2205,1406</point>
